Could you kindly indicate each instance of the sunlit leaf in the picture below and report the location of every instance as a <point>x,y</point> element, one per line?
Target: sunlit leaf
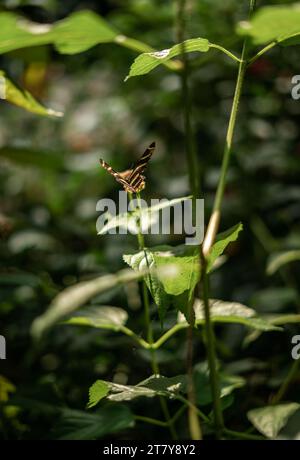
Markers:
<point>97,391</point>
<point>10,92</point>
<point>273,23</point>
<point>181,276</point>
<point>161,383</point>
<point>270,420</point>
<point>16,33</point>
<point>80,31</point>
<point>146,62</point>
<point>74,34</point>
<point>175,285</point>
<point>222,241</point>
<point>156,385</point>
<point>230,312</point>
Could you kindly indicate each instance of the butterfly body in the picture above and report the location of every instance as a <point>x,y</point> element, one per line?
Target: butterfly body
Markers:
<point>132,180</point>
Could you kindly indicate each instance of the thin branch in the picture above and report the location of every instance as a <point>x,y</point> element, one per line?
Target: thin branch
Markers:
<point>225,51</point>
<point>261,52</point>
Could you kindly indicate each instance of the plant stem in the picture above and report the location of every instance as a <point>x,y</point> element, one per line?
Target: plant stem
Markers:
<point>134,336</point>
<point>169,334</point>
<point>261,52</point>
<point>195,408</point>
<point>240,435</point>
<point>214,221</point>
<point>150,420</point>
<point>230,132</point>
<point>193,169</point>
<point>210,237</point>
<point>287,382</point>
<point>141,243</point>
<point>225,51</point>
<point>154,345</point>
<point>211,351</point>
<point>154,421</point>
<point>154,364</point>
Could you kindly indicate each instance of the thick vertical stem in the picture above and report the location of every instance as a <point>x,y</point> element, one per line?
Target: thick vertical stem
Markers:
<point>214,221</point>
<point>287,382</point>
<point>149,331</point>
<point>193,169</point>
<point>209,240</point>
<point>211,351</point>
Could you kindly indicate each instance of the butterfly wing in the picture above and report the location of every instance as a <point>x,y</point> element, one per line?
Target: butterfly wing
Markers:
<point>136,178</point>
<point>132,180</point>
<point>125,183</point>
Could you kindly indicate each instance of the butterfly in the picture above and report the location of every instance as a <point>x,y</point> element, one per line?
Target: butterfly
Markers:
<point>132,179</point>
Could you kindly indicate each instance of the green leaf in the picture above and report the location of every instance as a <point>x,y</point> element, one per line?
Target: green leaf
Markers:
<point>22,98</point>
<point>80,31</point>
<point>165,384</point>
<point>230,312</point>
<point>143,259</point>
<point>127,393</point>
<point>80,425</point>
<point>222,241</point>
<point>156,385</point>
<point>74,34</point>
<point>104,317</point>
<point>270,420</point>
<point>173,271</point>
<point>97,392</point>
<point>76,296</point>
<point>16,33</point>
<point>273,23</point>
<point>146,62</point>
<point>276,261</point>
<point>228,383</point>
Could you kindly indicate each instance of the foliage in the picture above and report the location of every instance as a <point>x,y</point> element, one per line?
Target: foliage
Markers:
<point>241,299</point>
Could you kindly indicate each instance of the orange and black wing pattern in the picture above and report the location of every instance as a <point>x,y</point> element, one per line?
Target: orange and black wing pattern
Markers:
<point>127,187</point>
<point>133,180</point>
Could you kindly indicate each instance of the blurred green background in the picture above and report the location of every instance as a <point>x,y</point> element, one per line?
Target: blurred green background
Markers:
<point>51,181</point>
